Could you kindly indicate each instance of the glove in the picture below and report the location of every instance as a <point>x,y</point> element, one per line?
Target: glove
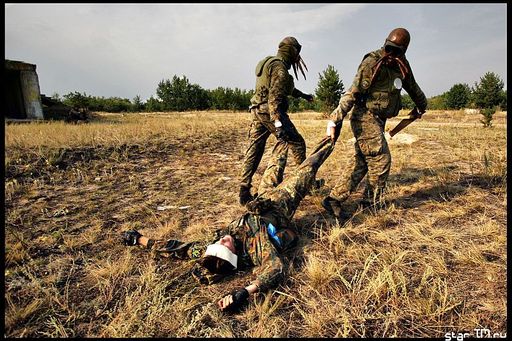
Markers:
<point>240,297</point>
<point>419,112</point>
<point>130,237</point>
<point>308,97</point>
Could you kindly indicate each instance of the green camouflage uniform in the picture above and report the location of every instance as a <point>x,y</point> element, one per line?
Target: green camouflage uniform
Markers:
<point>259,250</point>
<point>370,104</point>
<point>270,103</point>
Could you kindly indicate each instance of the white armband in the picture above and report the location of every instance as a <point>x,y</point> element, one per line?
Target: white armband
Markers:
<point>278,124</point>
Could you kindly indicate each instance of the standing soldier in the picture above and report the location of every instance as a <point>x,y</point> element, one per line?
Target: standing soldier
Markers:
<point>269,107</point>
<point>373,97</point>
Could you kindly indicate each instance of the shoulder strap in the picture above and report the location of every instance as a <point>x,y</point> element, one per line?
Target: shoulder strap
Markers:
<point>268,60</point>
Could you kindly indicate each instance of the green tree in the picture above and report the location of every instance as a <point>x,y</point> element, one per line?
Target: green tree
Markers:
<point>488,93</point>
<point>77,100</point>
<point>137,105</point>
<point>56,97</point>
<point>487,114</point>
<point>229,99</point>
<point>503,104</point>
<point>437,102</point>
<point>180,95</point>
<point>407,102</point>
<point>153,104</point>
<point>329,89</point>
<point>458,96</point>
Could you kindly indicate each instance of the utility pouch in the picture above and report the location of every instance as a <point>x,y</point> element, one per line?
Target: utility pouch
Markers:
<point>378,102</point>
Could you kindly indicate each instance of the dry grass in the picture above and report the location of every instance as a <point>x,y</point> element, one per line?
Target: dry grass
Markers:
<point>433,261</point>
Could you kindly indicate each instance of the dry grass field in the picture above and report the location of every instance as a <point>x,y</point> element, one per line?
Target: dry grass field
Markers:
<point>432,262</point>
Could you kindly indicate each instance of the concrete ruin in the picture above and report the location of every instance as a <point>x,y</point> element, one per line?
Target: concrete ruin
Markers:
<point>22,92</point>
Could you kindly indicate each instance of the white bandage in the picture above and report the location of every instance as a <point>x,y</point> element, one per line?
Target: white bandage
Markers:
<point>222,252</point>
<point>330,125</point>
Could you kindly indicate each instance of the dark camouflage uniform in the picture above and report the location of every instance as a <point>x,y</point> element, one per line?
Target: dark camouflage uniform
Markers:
<point>370,104</point>
<point>258,249</point>
<point>270,103</point>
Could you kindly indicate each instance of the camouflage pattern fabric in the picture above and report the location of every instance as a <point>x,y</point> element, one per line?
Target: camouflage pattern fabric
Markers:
<point>287,196</point>
<point>372,156</point>
<point>270,103</point>
<point>260,130</point>
<point>259,252</point>
<point>271,266</point>
<point>382,97</point>
<point>369,104</point>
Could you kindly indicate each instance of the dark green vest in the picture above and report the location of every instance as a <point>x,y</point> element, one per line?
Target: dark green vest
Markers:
<point>260,97</point>
<point>383,96</point>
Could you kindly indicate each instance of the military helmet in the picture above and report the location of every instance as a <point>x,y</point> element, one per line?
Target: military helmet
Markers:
<point>398,38</point>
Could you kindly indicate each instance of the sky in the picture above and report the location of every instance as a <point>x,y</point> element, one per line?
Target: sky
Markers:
<point>125,50</point>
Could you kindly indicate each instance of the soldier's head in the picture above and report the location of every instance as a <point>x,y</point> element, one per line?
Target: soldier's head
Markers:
<point>289,49</point>
<point>397,42</point>
<point>221,257</point>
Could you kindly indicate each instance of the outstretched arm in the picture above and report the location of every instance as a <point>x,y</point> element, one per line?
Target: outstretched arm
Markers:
<point>237,297</point>
<point>269,274</point>
<point>167,248</point>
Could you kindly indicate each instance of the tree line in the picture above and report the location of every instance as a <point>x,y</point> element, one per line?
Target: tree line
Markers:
<point>179,94</point>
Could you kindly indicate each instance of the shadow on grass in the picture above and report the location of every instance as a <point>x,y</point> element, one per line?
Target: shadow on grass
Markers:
<point>447,191</point>
<point>411,175</point>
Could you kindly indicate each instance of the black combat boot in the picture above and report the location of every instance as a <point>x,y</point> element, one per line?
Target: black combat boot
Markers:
<point>331,205</point>
<point>319,183</point>
<point>245,195</point>
<point>316,185</point>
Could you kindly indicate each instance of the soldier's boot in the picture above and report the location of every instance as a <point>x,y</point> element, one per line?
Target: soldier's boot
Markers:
<point>333,206</point>
<point>245,195</point>
<point>317,184</point>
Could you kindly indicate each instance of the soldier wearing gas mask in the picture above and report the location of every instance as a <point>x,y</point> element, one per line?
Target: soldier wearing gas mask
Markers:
<point>373,98</point>
<point>269,107</point>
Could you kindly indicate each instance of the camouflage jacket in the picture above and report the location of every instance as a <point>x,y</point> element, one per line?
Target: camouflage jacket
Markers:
<point>273,86</point>
<point>382,97</point>
<point>259,251</point>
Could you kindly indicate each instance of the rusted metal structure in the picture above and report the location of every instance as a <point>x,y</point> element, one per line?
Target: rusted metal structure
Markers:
<point>22,92</point>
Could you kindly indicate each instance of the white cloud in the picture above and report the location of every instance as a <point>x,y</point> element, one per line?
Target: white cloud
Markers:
<point>125,50</point>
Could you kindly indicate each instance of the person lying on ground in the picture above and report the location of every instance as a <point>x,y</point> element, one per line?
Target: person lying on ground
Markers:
<point>259,239</point>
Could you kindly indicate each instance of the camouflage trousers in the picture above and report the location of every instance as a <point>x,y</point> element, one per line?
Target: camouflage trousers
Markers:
<point>372,157</point>
<point>287,196</point>
<point>261,128</point>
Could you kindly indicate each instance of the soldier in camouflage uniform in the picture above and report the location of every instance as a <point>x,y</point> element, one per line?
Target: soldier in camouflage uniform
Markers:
<point>258,239</point>
<point>269,107</point>
<point>373,97</point>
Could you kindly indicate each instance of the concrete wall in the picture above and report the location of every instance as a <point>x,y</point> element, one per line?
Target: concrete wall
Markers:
<point>31,94</point>
<point>22,92</point>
